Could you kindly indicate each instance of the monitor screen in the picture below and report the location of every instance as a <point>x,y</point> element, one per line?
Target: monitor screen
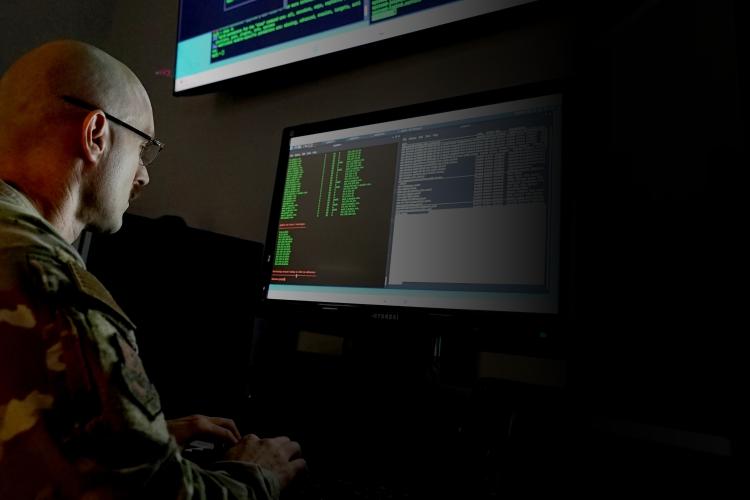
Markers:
<point>221,39</point>
<point>452,205</point>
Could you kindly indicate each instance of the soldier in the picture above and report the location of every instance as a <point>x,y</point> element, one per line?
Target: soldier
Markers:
<point>78,415</point>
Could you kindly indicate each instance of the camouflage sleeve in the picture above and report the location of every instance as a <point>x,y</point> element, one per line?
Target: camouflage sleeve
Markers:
<point>78,415</point>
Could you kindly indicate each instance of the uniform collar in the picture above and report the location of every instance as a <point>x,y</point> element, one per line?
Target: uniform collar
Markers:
<point>10,194</point>
<point>15,198</point>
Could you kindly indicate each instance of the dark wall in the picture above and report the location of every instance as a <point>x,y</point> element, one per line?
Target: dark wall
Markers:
<point>659,144</point>
<point>28,24</point>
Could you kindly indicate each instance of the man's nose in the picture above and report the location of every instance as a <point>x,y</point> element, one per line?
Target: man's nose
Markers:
<point>141,177</point>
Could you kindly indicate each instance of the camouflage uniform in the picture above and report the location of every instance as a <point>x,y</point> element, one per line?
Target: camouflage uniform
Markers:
<point>78,416</point>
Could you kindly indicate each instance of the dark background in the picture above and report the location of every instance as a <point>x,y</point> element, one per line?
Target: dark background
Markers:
<point>654,250</point>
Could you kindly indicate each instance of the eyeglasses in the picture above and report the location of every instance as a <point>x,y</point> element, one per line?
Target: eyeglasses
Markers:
<point>149,150</point>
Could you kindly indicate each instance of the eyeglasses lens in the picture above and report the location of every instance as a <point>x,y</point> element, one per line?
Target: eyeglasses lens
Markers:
<point>149,152</point>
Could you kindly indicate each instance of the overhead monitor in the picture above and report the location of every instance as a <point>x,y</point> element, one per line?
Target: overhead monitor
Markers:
<point>218,40</point>
<point>443,207</point>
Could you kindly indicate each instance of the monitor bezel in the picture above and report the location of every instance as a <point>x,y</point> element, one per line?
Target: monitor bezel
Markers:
<point>361,55</point>
<point>524,324</point>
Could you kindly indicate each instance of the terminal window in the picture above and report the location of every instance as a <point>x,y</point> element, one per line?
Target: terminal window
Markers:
<point>456,206</point>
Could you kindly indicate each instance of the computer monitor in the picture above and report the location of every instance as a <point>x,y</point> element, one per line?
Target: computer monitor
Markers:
<point>221,40</point>
<point>446,208</point>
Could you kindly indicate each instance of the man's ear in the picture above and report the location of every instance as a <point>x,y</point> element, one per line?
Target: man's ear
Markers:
<point>93,136</point>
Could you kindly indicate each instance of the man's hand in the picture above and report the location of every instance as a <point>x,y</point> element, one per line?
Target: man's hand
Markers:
<point>280,455</point>
<point>187,429</point>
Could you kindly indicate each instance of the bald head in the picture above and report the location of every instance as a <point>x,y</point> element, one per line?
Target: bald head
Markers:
<point>30,90</point>
<point>77,166</point>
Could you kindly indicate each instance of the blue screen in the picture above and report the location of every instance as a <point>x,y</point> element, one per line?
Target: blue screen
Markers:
<point>223,39</point>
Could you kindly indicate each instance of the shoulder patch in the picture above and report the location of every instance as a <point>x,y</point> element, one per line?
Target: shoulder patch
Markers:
<point>136,382</point>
